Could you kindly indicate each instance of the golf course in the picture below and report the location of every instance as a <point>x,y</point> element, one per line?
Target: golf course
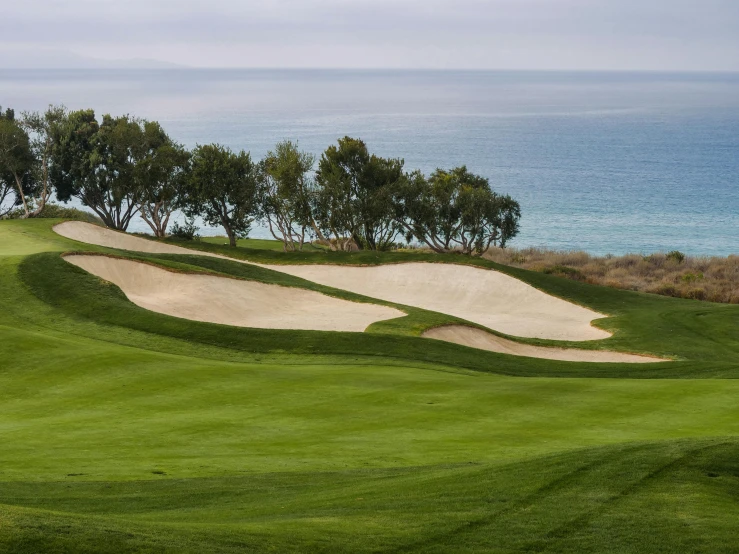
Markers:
<point>168,396</point>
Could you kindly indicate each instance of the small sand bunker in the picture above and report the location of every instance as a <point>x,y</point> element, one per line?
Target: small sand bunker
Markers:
<point>489,298</point>
<point>100,236</point>
<point>231,301</point>
<point>477,338</point>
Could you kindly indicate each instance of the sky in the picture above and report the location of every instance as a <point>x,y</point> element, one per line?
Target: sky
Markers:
<point>668,35</point>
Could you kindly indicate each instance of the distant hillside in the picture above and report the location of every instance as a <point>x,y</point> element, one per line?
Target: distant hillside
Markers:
<point>62,59</point>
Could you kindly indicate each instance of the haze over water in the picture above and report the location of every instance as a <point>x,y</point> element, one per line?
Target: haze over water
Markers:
<point>603,162</point>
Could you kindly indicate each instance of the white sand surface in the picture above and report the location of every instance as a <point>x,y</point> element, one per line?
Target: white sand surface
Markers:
<point>477,338</point>
<point>231,301</point>
<point>100,236</point>
<point>489,298</point>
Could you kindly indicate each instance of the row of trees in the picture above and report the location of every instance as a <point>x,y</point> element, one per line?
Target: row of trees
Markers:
<point>121,167</point>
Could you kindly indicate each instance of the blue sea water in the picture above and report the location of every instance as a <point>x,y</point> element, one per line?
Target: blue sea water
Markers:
<point>603,162</point>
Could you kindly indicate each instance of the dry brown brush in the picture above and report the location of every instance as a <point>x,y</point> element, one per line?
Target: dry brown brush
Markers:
<point>715,279</point>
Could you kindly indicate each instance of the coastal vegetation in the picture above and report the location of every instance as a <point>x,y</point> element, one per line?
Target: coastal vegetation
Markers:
<point>121,167</point>
<point>711,278</point>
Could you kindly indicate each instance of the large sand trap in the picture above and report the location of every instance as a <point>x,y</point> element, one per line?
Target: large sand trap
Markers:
<point>483,296</point>
<point>489,298</point>
<point>231,301</point>
<point>100,236</point>
<point>477,338</point>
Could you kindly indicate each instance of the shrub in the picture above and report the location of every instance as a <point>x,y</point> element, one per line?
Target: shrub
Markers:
<point>691,277</point>
<point>676,256</point>
<point>55,211</point>
<point>696,294</point>
<point>656,273</point>
<point>565,271</point>
<point>187,231</point>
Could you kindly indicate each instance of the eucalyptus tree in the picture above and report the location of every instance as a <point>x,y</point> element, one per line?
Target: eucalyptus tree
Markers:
<point>287,192</point>
<point>17,165</point>
<point>455,210</point>
<point>223,189</point>
<point>163,173</point>
<point>98,163</point>
<point>354,196</point>
<point>9,198</point>
<point>42,129</point>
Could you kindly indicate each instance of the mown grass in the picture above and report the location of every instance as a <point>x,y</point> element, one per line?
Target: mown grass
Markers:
<point>128,431</point>
<point>701,335</point>
<point>616,499</point>
<point>255,244</point>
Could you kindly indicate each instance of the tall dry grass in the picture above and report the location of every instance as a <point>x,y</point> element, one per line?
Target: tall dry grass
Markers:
<point>714,279</point>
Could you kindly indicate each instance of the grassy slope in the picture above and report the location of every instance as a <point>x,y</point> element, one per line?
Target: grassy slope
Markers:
<point>119,439</point>
<point>257,244</point>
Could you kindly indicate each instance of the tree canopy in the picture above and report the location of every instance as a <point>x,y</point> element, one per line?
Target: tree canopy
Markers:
<point>286,194</point>
<point>355,194</point>
<point>122,166</point>
<point>223,189</point>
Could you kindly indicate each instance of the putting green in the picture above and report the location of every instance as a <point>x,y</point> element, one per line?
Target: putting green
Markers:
<point>125,430</point>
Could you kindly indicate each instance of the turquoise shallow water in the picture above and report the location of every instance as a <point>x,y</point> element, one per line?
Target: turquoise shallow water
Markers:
<point>604,162</point>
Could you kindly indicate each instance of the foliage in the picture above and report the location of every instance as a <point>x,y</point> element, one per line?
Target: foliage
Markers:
<point>456,210</point>
<point>164,174</point>
<point>224,189</point>
<point>187,231</point>
<point>56,211</point>
<point>42,129</point>
<point>676,256</point>
<point>115,167</point>
<point>17,164</point>
<point>657,273</point>
<point>123,166</point>
<point>354,198</point>
<point>286,194</point>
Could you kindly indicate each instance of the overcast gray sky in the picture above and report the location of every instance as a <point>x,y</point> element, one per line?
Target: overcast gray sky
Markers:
<point>469,34</point>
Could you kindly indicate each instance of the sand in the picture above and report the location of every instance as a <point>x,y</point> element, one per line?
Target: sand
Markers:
<point>486,297</point>
<point>231,301</point>
<point>477,338</point>
<point>100,236</point>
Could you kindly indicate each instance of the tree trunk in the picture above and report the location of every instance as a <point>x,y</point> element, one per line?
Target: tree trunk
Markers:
<point>231,237</point>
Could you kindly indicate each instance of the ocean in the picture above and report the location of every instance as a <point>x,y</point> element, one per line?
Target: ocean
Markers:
<point>602,162</point>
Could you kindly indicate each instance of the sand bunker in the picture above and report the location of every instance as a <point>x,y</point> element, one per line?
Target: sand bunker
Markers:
<point>477,338</point>
<point>489,298</point>
<point>231,301</point>
<point>483,296</point>
<point>100,236</point>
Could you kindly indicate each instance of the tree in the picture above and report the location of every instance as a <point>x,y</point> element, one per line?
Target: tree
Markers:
<point>354,198</point>
<point>455,210</point>
<point>73,143</point>
<point>16,163</point>
<point>98,163</point>
<point>8,197</point>
<point>42,129</point>
<point>163,174</point>
<point>223,189</point>
<point>287,192</point>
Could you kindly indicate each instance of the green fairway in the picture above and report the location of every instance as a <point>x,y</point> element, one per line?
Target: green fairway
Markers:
<point>124,430</point>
